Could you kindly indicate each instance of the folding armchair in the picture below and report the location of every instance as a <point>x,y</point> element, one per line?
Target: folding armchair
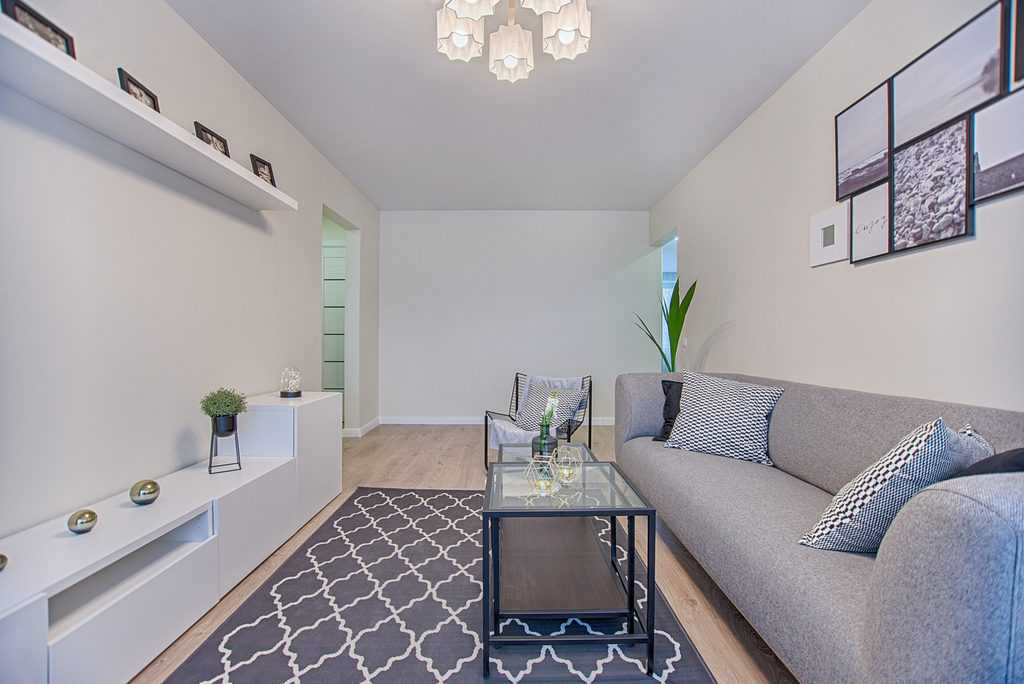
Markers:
<point>500,428</point>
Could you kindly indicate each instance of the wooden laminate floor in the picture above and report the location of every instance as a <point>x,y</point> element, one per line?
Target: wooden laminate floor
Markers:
<point>450,457</point>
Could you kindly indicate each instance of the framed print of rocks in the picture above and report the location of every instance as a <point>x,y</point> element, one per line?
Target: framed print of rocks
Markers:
<point>930,188</point>
<point>869,224</point>
<point>999,148</point>
<point>963,72</point>
<point>862,143</point>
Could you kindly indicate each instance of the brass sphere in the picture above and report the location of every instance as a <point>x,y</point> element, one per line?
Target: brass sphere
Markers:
<point>144,492</point>
<point>82,521</point>
<point>3,562</point>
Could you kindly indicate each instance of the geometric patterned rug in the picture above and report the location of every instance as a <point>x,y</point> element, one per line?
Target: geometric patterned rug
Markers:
<point>388,590</point>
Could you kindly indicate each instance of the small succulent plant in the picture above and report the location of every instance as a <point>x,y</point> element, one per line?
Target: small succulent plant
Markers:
<point>223,402</point>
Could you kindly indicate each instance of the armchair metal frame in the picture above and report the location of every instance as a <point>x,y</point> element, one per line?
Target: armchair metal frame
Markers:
<point>564,431</point>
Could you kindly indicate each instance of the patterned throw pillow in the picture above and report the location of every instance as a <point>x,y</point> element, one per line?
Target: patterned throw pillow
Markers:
<point>724,417</point>
<point>967,447</point>
<point>862,511</point>
<point>569,401</point>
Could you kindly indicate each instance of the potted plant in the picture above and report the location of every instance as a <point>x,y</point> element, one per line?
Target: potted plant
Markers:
<point>223,406</point>
<point>674,314</point>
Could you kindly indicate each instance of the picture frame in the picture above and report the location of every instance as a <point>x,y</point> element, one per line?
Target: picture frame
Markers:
<point>1017,41</point>
<point>40,25</point>
<point>997,148</point>
<point>263,169</point>
<point>828,236</point>
<point>962,72</point>
<point>862,142</point>
<point>214,140</point>
<point>871,223</point>
<point>931,181</point>
<point>135,89</point>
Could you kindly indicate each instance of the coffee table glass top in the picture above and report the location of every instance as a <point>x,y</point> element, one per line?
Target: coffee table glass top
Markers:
<point>594,486</point>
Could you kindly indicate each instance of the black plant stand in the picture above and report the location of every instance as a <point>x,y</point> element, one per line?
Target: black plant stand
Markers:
<point>223,467</point>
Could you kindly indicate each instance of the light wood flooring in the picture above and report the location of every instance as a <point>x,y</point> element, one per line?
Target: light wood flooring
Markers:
<point>450,457</point>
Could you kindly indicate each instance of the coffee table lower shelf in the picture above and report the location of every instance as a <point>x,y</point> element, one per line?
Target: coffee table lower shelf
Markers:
<point>553,566</point>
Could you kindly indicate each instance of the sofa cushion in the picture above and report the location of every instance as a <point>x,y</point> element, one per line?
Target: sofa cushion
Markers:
<point>1006,462</point>
<point>724,417</point>
<point>741,521</point>
<point>568,403</point>
<point>673,390</point>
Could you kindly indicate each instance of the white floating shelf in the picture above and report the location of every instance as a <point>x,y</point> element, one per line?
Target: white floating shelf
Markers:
<point>43,73</point>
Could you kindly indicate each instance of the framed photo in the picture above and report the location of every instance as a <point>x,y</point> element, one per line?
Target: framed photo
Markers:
<point>963,72</point>
<point>1017,41</point>
<point>930,188</point>
<point>263,169</point>
<point>40,25</point>
<point>869,224</point>
<point>217,142</point>
<point>829,235</point>
<point>998,157</point>
<point>862,143</point>
<point>140,92</point>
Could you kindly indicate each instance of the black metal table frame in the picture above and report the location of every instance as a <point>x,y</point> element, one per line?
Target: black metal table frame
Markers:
<point>635,617</point>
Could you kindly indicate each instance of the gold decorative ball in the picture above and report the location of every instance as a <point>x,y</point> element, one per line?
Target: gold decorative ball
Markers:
<point>3,562</point>
<point>144,492</point>
<point>82,521</point>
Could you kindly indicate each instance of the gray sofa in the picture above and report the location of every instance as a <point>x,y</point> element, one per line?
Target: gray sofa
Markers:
<point>943,600</point>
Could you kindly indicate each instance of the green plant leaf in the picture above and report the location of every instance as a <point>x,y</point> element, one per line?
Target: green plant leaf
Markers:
<point>654,340</point>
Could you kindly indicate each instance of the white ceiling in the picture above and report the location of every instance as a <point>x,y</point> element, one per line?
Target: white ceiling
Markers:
<point>665,81</point>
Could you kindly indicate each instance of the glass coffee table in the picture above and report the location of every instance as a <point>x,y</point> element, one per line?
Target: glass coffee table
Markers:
<point>544,558</point>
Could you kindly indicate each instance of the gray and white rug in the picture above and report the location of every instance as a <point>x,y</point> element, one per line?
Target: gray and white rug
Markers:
<point>389,590</point>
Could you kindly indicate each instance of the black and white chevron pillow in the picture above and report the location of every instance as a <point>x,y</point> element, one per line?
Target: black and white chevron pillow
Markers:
<point>724,417</point>
<point>862,511</point>
<point>569,401</point>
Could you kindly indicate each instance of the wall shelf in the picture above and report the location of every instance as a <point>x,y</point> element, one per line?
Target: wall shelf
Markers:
<point>41,72</point>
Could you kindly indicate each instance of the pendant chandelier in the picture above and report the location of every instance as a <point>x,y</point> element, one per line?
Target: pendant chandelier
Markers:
<point>460,34</point>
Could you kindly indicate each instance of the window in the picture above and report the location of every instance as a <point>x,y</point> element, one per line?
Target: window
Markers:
<point>669,274</point>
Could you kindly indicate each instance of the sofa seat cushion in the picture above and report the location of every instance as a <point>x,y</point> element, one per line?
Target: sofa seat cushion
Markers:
<point>742,522</point>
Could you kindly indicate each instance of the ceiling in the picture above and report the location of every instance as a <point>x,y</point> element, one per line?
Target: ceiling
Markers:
<point>664,82</point>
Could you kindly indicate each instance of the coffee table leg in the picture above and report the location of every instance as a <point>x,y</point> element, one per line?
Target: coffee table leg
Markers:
<point>485,635</point>
<point>496,554</point>
<point>631,573</point>
<point>612,535</point>
<point>652,588</point>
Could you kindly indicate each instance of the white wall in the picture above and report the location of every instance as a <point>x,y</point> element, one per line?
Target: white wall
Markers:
<point>468,298</point>
<point>127,290</point>
<point>944,322</point>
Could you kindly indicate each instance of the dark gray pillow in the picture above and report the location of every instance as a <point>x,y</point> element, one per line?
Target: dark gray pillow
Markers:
<point>672,390</point>
<point>1005,462</point>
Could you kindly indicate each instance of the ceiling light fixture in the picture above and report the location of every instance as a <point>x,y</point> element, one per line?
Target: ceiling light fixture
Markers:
<point>472,9</point>
<point>545,6</point>
<point>459,39</point>
<point>567,32</point>
<point>511,50</point>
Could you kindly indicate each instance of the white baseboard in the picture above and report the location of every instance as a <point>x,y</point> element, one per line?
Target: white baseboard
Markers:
<point>360,431</point>
<point>456,420</point>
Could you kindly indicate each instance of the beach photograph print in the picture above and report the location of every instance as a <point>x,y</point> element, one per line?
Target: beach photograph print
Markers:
<point>862,143</point>
<point>869,223</point>
<point>999,147</point>
<point>957,75</point>
<point>930,188</point>
<point>1017,73</point>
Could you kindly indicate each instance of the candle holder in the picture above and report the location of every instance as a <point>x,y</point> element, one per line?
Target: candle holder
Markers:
<point>567,463</point>
<point>291,383</point>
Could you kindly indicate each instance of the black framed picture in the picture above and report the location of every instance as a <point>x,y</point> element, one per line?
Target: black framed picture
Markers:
<point>930,188</point>
<point>870,224</point>
<point>1017,75</point>
<point>961,73</point>
<point>998,148</point>
<point>217,142</point>
<point>131,85</point>
<point>862,143</point>
<point>40,25</point>
<point>263,169</point>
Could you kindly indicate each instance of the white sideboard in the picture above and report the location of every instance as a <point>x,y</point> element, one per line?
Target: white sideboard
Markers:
<point>98,607</point>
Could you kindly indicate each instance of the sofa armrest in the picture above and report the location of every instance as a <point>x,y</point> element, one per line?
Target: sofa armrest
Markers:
<point>946,602</point>
<point>639,403</point>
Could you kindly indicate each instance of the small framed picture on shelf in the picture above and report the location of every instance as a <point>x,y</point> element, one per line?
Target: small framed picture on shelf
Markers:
<point>40,25</point>
<point>869,224</point>
<point>217,142</point>
<point>998,156</point>
<point>263,169</point>
<point>131,85</point>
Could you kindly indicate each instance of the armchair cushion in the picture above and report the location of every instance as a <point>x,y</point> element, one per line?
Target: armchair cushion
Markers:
<point>569,401</point>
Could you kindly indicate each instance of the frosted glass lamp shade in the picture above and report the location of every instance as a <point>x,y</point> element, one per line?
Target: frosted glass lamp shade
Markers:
<point>545,6</point>
<point>459,39</point>
<point>472,9</point>
<point>567,32</point>
<point>511,53</point>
